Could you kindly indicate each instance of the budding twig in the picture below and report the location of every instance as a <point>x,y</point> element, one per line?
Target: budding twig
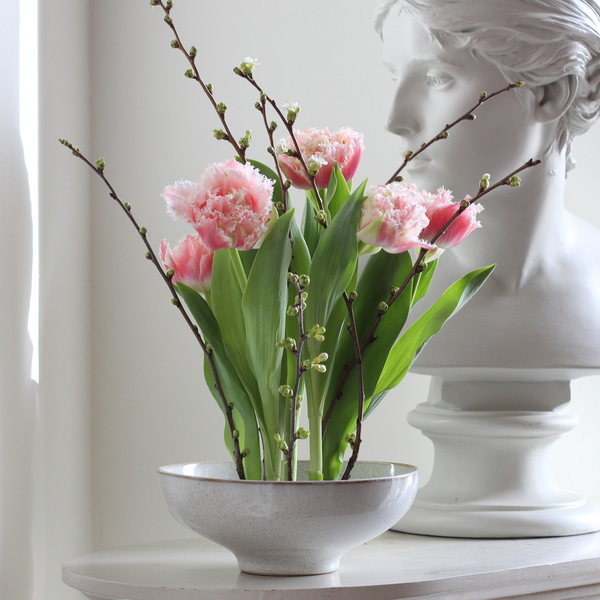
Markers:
<point>270,127</point>
<point>98,168</point>
<point>361,389</point>
<point>443,134</point>
<point>193,73</point>
<point>290,128</point>
<point>298,375</point>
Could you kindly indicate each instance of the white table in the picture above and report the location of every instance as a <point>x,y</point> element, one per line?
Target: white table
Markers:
<point>391,567</point>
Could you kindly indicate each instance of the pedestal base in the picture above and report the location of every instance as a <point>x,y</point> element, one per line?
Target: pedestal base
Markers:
<point>514,522</point>
<point>492,475</point>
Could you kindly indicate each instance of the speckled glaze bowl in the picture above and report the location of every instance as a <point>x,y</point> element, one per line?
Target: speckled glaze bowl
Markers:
<point>288,528</point>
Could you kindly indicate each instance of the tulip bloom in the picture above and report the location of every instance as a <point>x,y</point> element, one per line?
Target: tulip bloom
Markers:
<point>440,209</point>
<point>230,207</point>
<point>320,150</point>
<point>191,260</point>
<point>393,217</point>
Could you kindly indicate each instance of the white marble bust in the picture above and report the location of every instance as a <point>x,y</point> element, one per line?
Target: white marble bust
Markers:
<point>541,307</point>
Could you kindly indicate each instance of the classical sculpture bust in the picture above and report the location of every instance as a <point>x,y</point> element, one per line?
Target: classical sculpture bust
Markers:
<point>541,307</point>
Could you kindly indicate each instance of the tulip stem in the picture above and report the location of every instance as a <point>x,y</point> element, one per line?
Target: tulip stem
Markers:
<point>443,134</point>
<point>150,255</point>
<point>195,74</point>
<point>417,267</point>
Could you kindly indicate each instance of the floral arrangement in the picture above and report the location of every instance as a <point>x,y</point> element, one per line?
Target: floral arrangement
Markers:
<point>278,307</point>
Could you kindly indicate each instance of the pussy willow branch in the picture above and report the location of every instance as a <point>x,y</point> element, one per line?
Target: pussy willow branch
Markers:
<point>290,128</point>
<point>270,130</point>
<point>150,255</point>
<point>196,75</point>
<point>443,134</point>
<point>361,389</point>
<point>417,267</point>
<point>298,376</point>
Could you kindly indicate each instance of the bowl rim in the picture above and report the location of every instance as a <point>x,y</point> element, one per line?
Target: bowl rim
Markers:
<point>413,470</point>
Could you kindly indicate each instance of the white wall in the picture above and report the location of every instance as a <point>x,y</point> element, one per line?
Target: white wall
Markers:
<point>150,404</point>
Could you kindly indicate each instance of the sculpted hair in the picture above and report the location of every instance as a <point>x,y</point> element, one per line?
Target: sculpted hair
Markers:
<point>537,41</point>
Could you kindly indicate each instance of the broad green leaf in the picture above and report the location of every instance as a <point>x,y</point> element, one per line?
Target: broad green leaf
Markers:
<point>312,197</point>
<point>422,281</point>
<point>247,257</point>
<point>418,334</point>
<point>382,272</point>
<point>332,186</point>
<point>300,252</point>
<point>227,308</point>
<point>230,383</point>
<point>334,261</point>
<point>237,269</point>
<point>264,305</point>
<point>334,336</point>
<point>333,265</point>
<point>251,471</point>
<point>337,192</point>
<point>210,381</point>
<point>310,228</point>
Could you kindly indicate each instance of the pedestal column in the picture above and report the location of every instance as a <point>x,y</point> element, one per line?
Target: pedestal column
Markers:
<point>492,474</point>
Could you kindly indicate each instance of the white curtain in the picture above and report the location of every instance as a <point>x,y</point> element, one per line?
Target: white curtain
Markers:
<point>16,388</point>
<point>44,437</point>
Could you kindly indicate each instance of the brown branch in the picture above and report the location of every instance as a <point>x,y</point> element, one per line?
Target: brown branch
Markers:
<point>195,74</point>
<point>355,443</point>
<point>150,255</point>
<point>262,108</point>
<point>289,125</point>
<point>443,134</point>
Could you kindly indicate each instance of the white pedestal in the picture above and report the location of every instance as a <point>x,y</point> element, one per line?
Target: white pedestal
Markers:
<point>492,474</point>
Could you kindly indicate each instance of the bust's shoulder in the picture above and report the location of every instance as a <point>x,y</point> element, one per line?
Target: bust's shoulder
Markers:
<point>549,318</point>
<point>582,237</point>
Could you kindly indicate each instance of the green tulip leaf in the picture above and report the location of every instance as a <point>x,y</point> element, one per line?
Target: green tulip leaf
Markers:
<point>264,305</point>
<point>337,192</point>
<point>226,299</point>
<point>334,261</point>
<point>231,385</point>
<point>418,334</point>
<point>382,272</point>
<point>422,281</point>
<point>310,228</point>
<point>301,257</point>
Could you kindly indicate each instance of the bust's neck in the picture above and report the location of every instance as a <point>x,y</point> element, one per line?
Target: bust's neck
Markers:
<point>522,227</point>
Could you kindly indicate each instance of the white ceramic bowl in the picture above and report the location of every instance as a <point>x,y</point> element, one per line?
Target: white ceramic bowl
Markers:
<point>288,528</point>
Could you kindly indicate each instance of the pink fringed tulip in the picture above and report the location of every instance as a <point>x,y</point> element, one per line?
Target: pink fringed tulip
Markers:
<point>230,207</point>
<point>191,260</point>
<point>321,150</point>
<point>440,209</point>
<point>393,217</point>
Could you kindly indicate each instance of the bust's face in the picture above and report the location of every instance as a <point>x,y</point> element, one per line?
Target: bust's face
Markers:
<point>434,87</point>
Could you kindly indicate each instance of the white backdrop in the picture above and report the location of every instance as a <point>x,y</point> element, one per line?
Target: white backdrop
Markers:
<point>121,377</point>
